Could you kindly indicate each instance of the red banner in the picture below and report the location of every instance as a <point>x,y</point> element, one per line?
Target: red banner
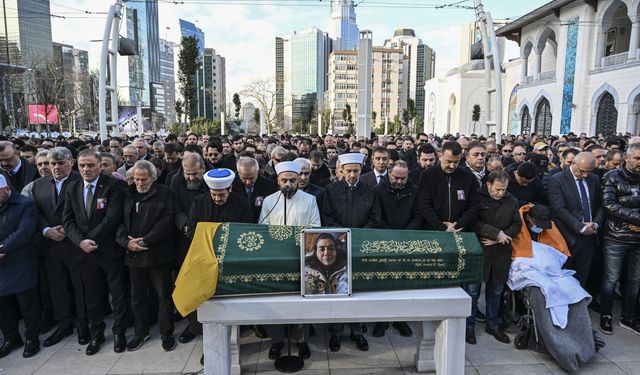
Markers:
<point>38,114</point>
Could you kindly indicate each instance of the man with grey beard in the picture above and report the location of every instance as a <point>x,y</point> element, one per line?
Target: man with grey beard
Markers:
<point>186,186</point>
<point>147,234</point>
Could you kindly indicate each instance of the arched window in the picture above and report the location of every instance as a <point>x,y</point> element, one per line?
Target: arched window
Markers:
<point>543,118</point>
<point>607,116</point>
<point>525,121</point>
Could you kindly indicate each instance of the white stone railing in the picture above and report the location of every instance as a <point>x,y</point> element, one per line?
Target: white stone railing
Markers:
<point>547,76</point>
<point>617,59</point>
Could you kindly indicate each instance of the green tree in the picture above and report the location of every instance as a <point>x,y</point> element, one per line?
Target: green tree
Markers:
<point>188,65</point>
<point>411,107</point>
<point>237,106</point>
<point>395,125</point>
<point>475,116</point>
<point>326,121</point>
<point>347,117</point>
<point>374,117</point>
<point>406,120</point>
<point>256,117</point>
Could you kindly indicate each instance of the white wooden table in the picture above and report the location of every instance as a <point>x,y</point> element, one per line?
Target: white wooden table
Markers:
<point>440,314</point>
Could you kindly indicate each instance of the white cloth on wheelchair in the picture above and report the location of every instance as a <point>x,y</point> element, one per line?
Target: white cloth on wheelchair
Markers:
<point>544,270</point>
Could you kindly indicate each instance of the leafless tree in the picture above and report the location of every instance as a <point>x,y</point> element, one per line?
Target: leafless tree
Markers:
<point>263,93</point>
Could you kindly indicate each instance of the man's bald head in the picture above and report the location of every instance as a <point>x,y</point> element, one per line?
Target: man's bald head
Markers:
<point>192,160</point>
<point>583,164</point>
<point>247,164</point>
<point>634,140</point>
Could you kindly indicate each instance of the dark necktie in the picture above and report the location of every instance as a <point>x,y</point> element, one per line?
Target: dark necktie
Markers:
<point>87,203</point>
<point>249,192</point>
<point>586,210</point>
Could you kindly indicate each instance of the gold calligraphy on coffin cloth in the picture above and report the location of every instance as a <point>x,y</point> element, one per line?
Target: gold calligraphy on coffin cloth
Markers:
<point>252,242</point>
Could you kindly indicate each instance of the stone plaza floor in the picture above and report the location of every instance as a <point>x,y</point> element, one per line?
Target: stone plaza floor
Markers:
<point>388,355</point>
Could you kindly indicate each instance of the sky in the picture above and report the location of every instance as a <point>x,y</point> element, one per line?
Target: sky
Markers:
<point>244,31</point>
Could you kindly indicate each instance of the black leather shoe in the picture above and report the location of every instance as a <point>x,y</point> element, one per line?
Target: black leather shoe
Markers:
<point>168,343</point>
<point>470,336</point>
<point>186,336</point>
<point>31,348</point>
<point>361,342</point>
<point>303,350</point>
<point>94,345</point>
<point>9,345</point>
<point>334,343</point>
<point>606,325</point>
<point>119,343</point>
<point>83,336</point>
<point>403,328</point>
<point>136,342</point>
<point>56,337</point>
<point>276,350</point>
<point>379,329</point>
<point>499,335</point>
<point>46,326</point>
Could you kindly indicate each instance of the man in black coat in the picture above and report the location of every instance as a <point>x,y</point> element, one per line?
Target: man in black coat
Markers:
<point>427,158</point>
<point>19,271</point>
<point>17,171</point>
<point>186,186</point>
<point>92,213</point>
<point>448,195</point>
<point>397,196</point>
<point>250,185</point>
<point>498,222</point>
<point>146,233</point>
<point>304,183</point>
<point>526,185</point>
<point>61,256</point>
<point>476,162</point>
<point>574,197</point>
<point>380,160</point>
<point>349,203</point>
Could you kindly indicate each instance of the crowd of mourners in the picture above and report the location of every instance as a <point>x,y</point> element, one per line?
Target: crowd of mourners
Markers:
<point>91,228</point>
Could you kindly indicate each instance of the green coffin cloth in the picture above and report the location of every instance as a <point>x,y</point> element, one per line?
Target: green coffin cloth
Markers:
<point>259,259</point>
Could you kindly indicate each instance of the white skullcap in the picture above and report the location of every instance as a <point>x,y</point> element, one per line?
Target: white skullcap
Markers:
<point>219,178</point>
<point>351,158</point>
<point>3,182</point>
<point>288,166</point>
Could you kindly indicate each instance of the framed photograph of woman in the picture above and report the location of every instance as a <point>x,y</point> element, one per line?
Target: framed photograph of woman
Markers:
<point>325,263</point>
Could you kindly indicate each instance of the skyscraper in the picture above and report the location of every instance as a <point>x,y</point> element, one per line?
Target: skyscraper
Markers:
<point>211,88</point>
<point>308,61</point>
<point>421,67</point>
<point>343,28</point>
<point>137,73</point>
<point>168,81</point>
<point>279,81</point>
<point>74,66</point>
<point>24,45</point>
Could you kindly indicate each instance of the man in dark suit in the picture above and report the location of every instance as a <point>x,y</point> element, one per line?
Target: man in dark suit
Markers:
<point>574,197</point>
<point>61,257</point>
<point>251,185</point>
<point>92,212</point>
<point>17,171</point>
<point>380,162</point>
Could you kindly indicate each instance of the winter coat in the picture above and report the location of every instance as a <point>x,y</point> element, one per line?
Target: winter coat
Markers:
<point>19,267</point>
<point>621,201</point>
<point>495,216</point>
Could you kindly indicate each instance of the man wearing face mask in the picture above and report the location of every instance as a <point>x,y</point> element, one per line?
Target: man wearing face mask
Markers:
<point>498,223</point>
<point>289,206</point>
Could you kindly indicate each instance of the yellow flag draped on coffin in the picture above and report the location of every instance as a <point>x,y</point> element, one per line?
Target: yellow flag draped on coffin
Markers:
<point>198,276</point>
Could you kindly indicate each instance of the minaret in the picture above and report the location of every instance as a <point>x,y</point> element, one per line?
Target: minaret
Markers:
<point>343,28</point>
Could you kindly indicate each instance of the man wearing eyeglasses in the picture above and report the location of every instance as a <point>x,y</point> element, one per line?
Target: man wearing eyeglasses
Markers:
<point>18,171</point>
<point>251,185</point>
<point>574,197</point>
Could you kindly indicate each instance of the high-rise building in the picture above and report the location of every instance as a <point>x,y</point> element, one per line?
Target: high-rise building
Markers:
<point>211,90</point>
<point>137,73</point>
<point>279,81</point>
<point>74,66</point>
<point>308,57</point>
<point>166,104</point>
<point>421,65</point>
<point>343,28</point>
<point>389,86</point>
<point>190,29</point>
<point>342,89</point>
<point>23,46</point>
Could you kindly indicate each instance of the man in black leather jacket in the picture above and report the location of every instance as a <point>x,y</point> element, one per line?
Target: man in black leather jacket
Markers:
<point>621,199</point>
